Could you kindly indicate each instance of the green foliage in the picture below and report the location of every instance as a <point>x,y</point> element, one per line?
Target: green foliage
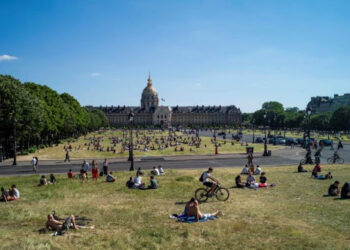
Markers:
<point>41,115</point>
<point>340,120</point>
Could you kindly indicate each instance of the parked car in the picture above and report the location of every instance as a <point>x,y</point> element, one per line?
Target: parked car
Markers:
<point>280,141</point>
<point>290,141</point>
<point>221,133</point>
<point>325,142</point>
<point>259,140</point>
<point>271,141</point>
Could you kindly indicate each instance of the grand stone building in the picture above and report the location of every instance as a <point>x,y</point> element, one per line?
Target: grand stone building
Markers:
<point>151,113</point>
<point>320,104</point>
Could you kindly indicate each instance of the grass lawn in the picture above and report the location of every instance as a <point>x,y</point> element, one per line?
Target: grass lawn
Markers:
<point>58,152</point>
<point>292,215</point>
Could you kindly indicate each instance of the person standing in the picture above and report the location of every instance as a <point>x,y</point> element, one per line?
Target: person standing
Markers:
<point>85,169</point>
<point>105,167</point>
<point>94,170</point>
<point>67,157</point>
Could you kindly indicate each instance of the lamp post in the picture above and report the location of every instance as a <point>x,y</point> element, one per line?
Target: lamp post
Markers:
<point>265,143</point>
<point>308,112</point>
<point>253,121</point>
<point>14,142</point>
<point>274,126</point>
<point>131,146</point>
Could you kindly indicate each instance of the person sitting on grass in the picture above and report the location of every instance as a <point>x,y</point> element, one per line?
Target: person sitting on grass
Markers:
<point>318,168</point>
<point>52,179</point>
<point>345,191</point>
<point>110,177</point>
<point>42,181</point>
<point>155,171</point>
<point>56,225</point>
<point>13,193</point>
<point>333,189</point>
<point>4,194</point>
<point>130,183</point>
<point>258,170</point>
<point>321,177</point>
<point>70,174</point>
<point>250,180</point>
<point>301,169</point>
<point>263,181</point>
<point>138,181</point>
<point>161,170</point>
<point>193,211</point>
<point>245,170</point>
<point>209,181</point>
<point>239,183</point>
<point>153,183</point>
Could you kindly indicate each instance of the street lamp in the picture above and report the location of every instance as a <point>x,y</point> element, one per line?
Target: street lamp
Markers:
<point>131,146</point>
<point>14,142</point>
<point>308,112</point>
<point>265,143</point>
<point>274,125</point>
<point>253,121</point>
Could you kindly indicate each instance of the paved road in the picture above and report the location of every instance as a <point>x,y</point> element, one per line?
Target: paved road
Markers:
<point>280,157</point>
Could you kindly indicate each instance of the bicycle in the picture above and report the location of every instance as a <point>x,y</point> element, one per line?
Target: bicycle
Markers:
<point>335,159</point>
<point>221,193</point>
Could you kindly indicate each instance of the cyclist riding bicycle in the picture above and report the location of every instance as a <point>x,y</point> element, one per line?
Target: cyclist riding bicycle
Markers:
<point>335,156</point>
<point>209,181</point>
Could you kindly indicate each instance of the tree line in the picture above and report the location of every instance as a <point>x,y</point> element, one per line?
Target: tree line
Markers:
<point>40,116</point>
<point>275,116</point>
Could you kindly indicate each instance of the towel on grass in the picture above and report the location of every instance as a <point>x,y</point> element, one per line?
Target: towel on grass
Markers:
<point>193,219</point>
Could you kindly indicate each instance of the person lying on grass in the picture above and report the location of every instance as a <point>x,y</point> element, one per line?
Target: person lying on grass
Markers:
<point>333,189</point>
<point>192,210</point>
<point>110,177</point>
<point>43,181</point>
<point>315,175</point>
<point>68,223</point>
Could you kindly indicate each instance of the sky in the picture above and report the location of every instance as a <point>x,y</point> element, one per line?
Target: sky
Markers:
<point>213,52</point>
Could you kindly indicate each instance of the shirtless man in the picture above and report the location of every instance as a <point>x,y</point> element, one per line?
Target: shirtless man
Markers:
<point>192,209</point>
<point>56,225</point>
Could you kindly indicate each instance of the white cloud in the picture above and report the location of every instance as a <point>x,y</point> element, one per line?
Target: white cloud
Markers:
<point>7,58</point>
<point>95,74</point>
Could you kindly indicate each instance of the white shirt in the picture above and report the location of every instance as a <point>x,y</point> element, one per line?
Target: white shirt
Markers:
<point>16,193</point>
<point>155,171</point>
<point>137,180</point>
<point>258,170</point>
<point>161,170</point>
<point>33,161</point>
<point>205,177</point>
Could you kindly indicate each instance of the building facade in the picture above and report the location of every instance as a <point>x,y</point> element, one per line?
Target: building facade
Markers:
<point>151,113</point>
<point>320,104</point>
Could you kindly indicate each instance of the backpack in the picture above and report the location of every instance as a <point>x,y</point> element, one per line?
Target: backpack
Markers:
<point>201,178</point>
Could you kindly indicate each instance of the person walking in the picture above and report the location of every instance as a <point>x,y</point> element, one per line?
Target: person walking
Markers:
<point>67,157</point>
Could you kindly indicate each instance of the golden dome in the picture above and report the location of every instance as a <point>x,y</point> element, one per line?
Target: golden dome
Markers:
<point>149,95</point>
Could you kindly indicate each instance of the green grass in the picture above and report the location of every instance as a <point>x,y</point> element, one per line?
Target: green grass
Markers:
<point>58,152</point>
<point>292,215</point>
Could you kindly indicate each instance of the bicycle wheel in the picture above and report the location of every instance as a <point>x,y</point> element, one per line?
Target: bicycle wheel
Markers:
<point>201,194</point>
<point>330,160</point>
<point>340,160</point>
<point>222,194</point>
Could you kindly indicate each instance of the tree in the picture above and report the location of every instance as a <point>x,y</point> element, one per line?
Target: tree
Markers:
<point>340,120</point>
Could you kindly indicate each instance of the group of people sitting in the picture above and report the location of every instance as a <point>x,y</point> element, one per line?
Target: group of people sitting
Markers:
<point>251,169</point>
<point>157,170</point>
<point>43,181</point>
<point>344,193</point>
<point>251,181</point>
<point>137,183</point>
<point>11,194</point>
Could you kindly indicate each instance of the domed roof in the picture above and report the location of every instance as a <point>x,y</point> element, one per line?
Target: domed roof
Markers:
<point>149,90</point>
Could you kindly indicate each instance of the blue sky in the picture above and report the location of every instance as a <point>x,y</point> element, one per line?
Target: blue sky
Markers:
<point>198,52</point>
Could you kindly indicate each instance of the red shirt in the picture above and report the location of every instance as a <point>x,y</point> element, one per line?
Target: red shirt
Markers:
<point>70,174</point>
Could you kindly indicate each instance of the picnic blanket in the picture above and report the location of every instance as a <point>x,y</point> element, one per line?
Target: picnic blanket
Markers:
<point>192,219</point>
